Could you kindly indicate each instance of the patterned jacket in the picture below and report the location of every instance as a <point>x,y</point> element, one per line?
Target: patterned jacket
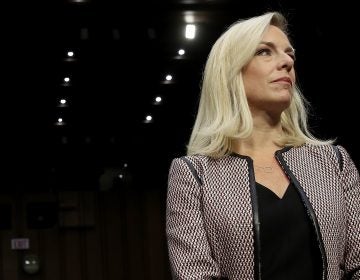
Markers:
<point>212,222</point>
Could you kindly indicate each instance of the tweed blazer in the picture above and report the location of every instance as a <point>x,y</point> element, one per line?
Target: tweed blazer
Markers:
<point>212,222</point>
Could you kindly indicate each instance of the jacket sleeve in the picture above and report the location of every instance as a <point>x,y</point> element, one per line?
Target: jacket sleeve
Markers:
<point>351,183</point>
<point>188,246</point>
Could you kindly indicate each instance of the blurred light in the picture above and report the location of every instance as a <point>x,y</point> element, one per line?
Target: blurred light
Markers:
<point>60,122</point>
<point>148,119</point>
<point>120,176</point>
<point>66,79</point>
<point>125,164</point>
<point>189,17</point>
<point>70,54</point>
<point>78,1</point>
<point>168,77</point>
<point>63,101</point>
<point>190,31</point>
<point>158,99</point>
<point>181,52</point>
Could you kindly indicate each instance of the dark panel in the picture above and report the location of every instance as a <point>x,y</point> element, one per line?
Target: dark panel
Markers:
<point>41,215</point>
<point>5,216</point>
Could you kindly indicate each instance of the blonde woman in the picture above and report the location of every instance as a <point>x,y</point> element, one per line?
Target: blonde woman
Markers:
<point>258,196</point>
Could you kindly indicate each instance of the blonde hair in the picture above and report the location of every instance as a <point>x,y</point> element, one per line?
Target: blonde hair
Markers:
<point>223,112</point>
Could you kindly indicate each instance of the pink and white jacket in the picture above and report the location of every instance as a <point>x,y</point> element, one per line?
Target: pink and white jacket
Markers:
<point>212,222</point>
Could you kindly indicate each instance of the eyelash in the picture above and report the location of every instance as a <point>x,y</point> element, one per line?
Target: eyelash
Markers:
<point>268,52</point>
<point>292,55</point>
<point>262,51</point>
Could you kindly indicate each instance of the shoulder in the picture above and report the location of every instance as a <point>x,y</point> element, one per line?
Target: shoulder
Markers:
<point>328,150</point>
<point>343,153</point>
<point>326,153</point>
<point>309,149</point>
<point>346,160</point>
<point>188,167</point>
<point>192,162</point>
<point>188,163</point>
<point>200,167</point>
<point>193,159</point>
<point>202,163</point>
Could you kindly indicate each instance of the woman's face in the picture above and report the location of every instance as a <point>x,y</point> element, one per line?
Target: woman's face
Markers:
<point>269,77</point>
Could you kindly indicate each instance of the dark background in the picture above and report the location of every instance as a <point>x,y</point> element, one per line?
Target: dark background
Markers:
<point>123,50</point>
<point>90,194</point>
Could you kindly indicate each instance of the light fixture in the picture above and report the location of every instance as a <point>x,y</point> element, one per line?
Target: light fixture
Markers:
<point>31,264</point>
<point>181,52</point>
<point>190,31</point>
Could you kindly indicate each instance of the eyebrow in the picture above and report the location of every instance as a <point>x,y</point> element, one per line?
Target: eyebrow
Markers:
<point>272,45</point>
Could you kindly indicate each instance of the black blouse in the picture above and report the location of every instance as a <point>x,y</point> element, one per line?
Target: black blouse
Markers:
<point>287,240</point>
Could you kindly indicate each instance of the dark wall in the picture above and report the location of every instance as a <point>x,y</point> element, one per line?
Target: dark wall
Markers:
<point>115,234</point>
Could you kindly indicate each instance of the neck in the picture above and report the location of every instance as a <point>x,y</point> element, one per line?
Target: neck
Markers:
<point>259,143</point>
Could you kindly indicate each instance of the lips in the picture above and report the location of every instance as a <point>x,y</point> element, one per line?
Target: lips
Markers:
<point>283,79</point>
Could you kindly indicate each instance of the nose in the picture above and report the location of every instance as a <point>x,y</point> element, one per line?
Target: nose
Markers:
<point>286,62</point>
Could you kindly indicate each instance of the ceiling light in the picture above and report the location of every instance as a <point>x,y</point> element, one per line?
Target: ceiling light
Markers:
<point>190,31</point>
<point>189,17</point>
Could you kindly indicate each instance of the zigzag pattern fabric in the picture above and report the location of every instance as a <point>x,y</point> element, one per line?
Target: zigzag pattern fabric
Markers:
<point>211,204</point>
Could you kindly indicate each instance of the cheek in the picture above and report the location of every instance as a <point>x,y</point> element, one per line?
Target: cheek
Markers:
<point>294,76</point>
<point>255,73</point>
<point>254,77</point>
<point>253,84</point>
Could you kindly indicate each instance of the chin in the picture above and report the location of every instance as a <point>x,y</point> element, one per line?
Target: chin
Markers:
<point>286,94</point>
<point>284,100</point>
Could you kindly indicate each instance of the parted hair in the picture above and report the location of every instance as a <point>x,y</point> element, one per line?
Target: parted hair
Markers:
<point>223,113</point>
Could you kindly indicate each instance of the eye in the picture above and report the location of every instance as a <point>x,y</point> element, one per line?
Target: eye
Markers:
<point>292,55</point>
<point>263,52</point>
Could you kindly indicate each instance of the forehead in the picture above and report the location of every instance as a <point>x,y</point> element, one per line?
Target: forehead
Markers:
<point>275,34</point>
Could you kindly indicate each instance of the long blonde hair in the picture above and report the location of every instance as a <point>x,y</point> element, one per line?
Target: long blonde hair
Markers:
<point>223,112</point>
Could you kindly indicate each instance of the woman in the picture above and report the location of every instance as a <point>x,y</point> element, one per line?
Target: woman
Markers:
<point>258,196</point>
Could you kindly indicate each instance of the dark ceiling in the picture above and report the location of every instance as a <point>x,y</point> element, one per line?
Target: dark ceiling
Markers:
<point>122,54</point>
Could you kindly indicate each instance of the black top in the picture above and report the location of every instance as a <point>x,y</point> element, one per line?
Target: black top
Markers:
<point>287,240</point>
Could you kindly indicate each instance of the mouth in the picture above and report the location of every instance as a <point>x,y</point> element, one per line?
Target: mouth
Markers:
<point>283,80</point>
